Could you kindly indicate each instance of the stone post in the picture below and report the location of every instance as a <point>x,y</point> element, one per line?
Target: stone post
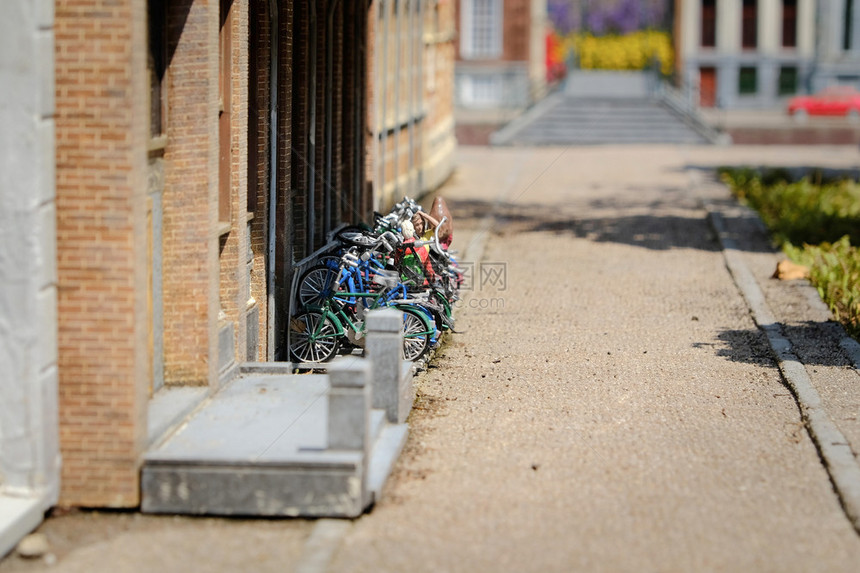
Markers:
<point>349,404</point>
<point>392,391</point>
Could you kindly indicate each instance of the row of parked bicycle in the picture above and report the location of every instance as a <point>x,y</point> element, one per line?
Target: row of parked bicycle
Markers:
<point>401,262</point>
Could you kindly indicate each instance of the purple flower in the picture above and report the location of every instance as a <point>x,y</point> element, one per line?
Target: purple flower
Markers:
<point>607,16</point>
<point>563,16</point>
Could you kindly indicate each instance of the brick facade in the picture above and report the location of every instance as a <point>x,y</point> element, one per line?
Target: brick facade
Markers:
<point>258,167</point>
<point>190,246</point>
<point>234,284</point>
<point>101,254</point>
<point>171,270</point>
<point>413,114</point>
<point>515,77</point>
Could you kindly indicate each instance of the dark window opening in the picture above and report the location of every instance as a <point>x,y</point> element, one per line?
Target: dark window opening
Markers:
<point>787,80</point>
<point>749,31</point>
<point>709,23</point>
<point>157,67</point>
<point>789,23</point>
<point>848,30</point>
<point>748,81</point>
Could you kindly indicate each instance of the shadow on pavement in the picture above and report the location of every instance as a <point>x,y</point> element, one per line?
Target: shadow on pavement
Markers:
<point>685,227</point>
<point>748,346</point>
<point>812,343</point>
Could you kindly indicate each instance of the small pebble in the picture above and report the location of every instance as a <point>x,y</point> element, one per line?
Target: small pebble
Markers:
<point>33,546</point>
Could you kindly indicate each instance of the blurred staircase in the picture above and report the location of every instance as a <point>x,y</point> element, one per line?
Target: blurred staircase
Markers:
<point>607,108</point>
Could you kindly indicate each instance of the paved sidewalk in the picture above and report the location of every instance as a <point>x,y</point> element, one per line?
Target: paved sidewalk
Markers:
<point>615,407</point>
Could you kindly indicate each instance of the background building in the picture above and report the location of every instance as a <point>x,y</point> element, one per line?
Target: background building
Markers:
<point>746,53</point>
<point>837,59</point>
<point>412,101</point>
<point>501,53</point>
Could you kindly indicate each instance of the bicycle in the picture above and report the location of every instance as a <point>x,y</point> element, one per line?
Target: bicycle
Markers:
<point>318,331</point>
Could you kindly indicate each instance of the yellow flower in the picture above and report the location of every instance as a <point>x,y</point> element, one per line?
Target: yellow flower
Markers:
<point>634,51</point>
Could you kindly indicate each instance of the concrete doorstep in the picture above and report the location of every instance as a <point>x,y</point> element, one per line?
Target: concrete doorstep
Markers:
<point>276,444</point>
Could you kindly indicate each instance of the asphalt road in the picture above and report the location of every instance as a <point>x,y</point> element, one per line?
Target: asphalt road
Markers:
<point>609,404</point>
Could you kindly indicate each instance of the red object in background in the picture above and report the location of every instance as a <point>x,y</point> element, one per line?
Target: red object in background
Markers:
<point>555,68</point>
<point>833,101</point>
<point>707,87</point>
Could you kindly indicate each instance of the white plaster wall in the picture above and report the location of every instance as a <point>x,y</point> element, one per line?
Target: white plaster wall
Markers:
<point>29,453</point>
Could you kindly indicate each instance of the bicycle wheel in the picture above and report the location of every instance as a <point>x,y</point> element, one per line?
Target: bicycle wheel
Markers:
<point>416,334</point>
<point>313,337</point>
<point>445,320</point>
<point>317,284</point>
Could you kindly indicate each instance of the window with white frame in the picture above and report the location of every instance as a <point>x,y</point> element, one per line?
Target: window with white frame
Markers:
<point>481,91</point>
<point>481,29</point>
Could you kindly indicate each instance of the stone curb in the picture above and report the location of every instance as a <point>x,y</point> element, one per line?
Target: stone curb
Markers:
<point>833,447</point>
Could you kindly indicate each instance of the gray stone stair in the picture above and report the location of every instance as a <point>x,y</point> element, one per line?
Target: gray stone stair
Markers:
<point>603,121</point>
<point>271,443</point>
<point>603,108</point>
<point>258,447</point>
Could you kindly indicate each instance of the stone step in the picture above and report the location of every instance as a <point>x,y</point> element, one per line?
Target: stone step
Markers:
<point>386,451</point>
<point>258,448</point>
<point>587,120</point>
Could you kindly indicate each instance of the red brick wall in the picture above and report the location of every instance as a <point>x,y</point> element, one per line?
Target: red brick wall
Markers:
<point>321,37</point>
<point>516,29</point>
<point>101,134</point>
<point>285,174</point>
<point>233,257</point>
<point>440,100</point>
<point>371,104</point>
<point>191,194</point>
<point>335,181</point>
<point>298,76</point>
<point>258,161</point>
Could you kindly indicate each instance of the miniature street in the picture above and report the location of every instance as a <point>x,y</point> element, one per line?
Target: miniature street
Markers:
<point>608,404</point>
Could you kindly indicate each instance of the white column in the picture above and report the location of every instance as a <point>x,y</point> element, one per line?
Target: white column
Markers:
<point>769,26</point>
<point>831,28</point>
<point>729,26</point>
<point>855,28</point>
<point>806,28</point>
<point>691,28</point>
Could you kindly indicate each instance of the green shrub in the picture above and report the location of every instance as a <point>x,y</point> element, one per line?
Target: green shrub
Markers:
<point>816,221</point>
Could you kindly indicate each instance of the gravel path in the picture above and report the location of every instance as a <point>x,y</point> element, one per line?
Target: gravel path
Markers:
<point>615,407</point>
